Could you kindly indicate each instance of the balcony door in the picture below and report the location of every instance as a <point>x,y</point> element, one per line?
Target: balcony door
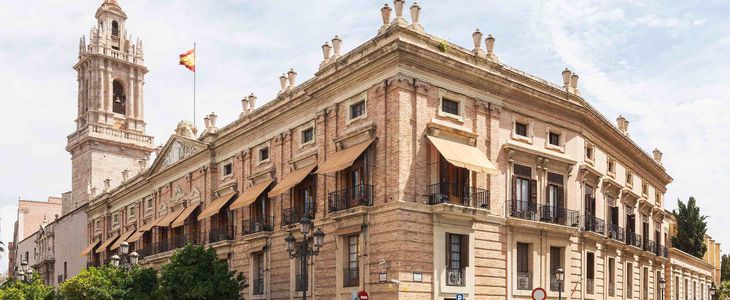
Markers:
<point>524,197</point>
<point>260,209</point>
<point>453,181</point>
<point>590,201</point>
<point>304,200</point>
<point>555,202</point>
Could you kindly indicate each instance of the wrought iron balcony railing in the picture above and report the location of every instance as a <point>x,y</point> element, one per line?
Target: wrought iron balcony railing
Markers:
<point>460,195</point>
<point>179,241</point>
<point>633,239</point>
<point>455,277</point>
<point>351,277</point>
<point>221,234</point>
<point>293,215</point>
<point>662,250</point>
<point>615,232</point>
<point>258,286</point>
<point>594,224</point>
<point>359,195</point>
<point>649,245</point>
<point>260,224</point>
<point>543,213</point>
<point>524,281</point>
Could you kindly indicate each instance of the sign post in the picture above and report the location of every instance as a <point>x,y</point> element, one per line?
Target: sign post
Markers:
<point>363,295</point>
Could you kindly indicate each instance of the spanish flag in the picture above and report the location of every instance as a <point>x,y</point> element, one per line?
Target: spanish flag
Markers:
<point>187,59</point>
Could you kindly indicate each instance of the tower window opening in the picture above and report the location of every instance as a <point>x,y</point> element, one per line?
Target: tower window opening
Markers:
<point>120,100</point>
<point>115,28</point>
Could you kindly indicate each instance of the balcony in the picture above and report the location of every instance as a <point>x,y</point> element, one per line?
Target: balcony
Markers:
<point>633,239</point>
<point>662,250</point>
<point>260,224</point>
<point>649,245</point>
<point>589,286</point>
<point>258,286</point>
<point>351,277</point>
<point>291,216</point>
<point>594,224</point>
<point>220,234</point>
<point>162,246</point>
<point>180,241</point>
<point>455,276</point>
<point>615,232</point>
<point>524,281</point>
<point>459,195</point>
<point>359,195</point>
<point>543,213</point>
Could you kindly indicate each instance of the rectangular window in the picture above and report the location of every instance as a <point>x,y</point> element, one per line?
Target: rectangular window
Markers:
<point>264,154</point>
<point>611,276</point>
<point>589,151</point>
<point>521,129</point>
<point>524,278</point>
<point>307,135</point>
<point>644,189</point>
<point>299,283</point>
<point>611,166</point>
<point>149,203</point>
<point>590,272</point>
<point>646,283</point>
<point>227,169</point>
<point>629,178</point>
<point>352,256</point>
<point>457,251</point>
<point>115,218</point>
<point>676,288</point>
<point>65,270</point>
<point>357,109</point>
<point>555,192</point>
<point>554,139</point>
<point>450,106</point>
<point>629,280</point>
<point>523,191</point>
<point>555,264</point>
<point>686,289</point>
<point>131,212</point>
<point>258,273</point>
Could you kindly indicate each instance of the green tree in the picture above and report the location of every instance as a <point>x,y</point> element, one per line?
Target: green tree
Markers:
<point>142,285</point>
<point>197,274</point>
<point>725,268</point>
<point>19,290</point>
<point>103,283</point>
<point>691,228</point>
<point>722,290</point>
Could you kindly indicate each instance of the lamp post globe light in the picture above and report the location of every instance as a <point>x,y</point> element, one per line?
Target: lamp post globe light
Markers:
<point>25,273</point>
<point>125,260</point>
<point>560,276</point>
<point>662,286</point>
<point>304,250</point>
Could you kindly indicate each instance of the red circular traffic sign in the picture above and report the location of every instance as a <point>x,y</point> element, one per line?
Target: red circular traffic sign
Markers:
<point>539,294</point>
<point>363,295</point>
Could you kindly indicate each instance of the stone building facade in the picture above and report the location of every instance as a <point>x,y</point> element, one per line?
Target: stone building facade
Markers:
<point>433,169</point>
<point>31,214</point>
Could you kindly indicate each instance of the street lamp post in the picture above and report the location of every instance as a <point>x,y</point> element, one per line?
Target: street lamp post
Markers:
<point>662,286</point>
<point>125,260</point>
<point>560,274</point>
<point>304,251</point>
<point>25,273</point>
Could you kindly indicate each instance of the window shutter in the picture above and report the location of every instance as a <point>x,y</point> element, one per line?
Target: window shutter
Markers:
<point>561,197</point>
<point>464,251</point>
<point>533,192</point>
<point>514,188</point>
<point>448,250</point>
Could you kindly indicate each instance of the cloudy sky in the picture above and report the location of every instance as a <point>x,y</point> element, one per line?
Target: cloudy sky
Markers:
<point>662,64</point>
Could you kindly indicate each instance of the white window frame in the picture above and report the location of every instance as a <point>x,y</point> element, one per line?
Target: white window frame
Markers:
<point>561,139</point>
<point>131,213</point>
<point>629,178</point>
<point>460,101</point>
<point>266,145</point>
<point>352,101</point>
<point>305,127</point>
<point>589,159</point>
<point>530,128</point>
<point>610,173</point>
<point>223,165</point>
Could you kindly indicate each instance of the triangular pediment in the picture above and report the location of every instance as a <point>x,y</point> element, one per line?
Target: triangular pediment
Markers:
<point>176,149</point>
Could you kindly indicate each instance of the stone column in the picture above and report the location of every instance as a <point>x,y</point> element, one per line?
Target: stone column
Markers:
<point>109,91</point>
<point>131,104</point>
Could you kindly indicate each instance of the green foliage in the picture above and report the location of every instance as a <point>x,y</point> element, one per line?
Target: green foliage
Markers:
<point>722,290</point>
<point>691,228</point>
<point>18,290</point>
<point>106,283</point>
<point>443,46</point>
<point>197,274</point>
<point>725,268</point>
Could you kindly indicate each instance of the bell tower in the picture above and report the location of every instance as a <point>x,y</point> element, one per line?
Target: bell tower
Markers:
<point>110,129</point>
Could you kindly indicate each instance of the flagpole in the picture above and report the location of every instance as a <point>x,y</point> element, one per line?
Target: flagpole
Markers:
<point>195,73</point>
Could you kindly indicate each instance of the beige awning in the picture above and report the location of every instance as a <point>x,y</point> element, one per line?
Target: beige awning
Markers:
<point>88,248</point>
<point>167,219</point>
<point>122,239</point>
<point>137,234</point>
<point>180,221</point>
<point>343,159</point>
<point>464,156</point>
<point>250,195</point>
<point>291,180</point>
<point>215,206</point>
<point>106,244</point>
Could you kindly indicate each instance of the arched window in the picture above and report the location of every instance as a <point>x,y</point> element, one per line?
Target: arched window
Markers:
<point>115,28</point>
<point>120,100</point>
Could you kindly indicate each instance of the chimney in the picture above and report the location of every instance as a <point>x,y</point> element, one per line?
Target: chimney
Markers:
<point>489,43</point>
<point>398,4</point>
<point>477,37</point>
<point>212,117</point>
<point>415,15</point>
<point>282,82</point>
<point>206,121</point>
<point>574,84</point>
<point>657,155</point>
<point>385,14</point>
<point>292,78</point>
<point>566,79</point>
<point>623,125</point>
<point>244,104</point>
<point>125,175</point>
<point>326,53</point>
<point>251,102</point>
<point>337,44</point>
